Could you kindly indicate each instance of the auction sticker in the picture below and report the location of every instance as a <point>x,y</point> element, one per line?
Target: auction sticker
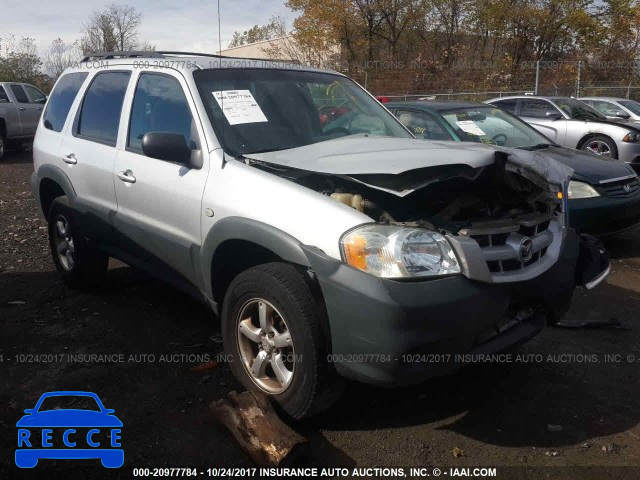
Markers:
<point>469,126</point>
<point>239,107</point>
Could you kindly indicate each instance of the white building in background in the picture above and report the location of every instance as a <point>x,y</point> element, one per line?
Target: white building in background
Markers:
<point>286,49</point>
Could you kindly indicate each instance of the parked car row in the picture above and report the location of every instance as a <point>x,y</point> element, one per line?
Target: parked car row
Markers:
<point>604,195</point>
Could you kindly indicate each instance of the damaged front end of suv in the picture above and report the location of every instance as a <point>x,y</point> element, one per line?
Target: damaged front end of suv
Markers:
<point>468,250</point>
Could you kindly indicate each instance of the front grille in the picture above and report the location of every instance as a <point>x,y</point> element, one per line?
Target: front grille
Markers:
<point>621,188</point>
<point>512,245</point>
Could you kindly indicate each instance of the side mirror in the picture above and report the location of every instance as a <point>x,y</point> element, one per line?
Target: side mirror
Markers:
<point>553,115</point>
<point>621,114</point>
<point>29,411</point>
<point>171,147</point>
<point>109,411</point>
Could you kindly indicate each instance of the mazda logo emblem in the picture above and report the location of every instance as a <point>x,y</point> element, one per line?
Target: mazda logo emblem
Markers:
<point>526,250</point>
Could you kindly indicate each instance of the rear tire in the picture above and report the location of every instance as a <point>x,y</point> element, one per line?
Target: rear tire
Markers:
<point>3,145</point>
<point>77,262</point>
<point>262,306</point>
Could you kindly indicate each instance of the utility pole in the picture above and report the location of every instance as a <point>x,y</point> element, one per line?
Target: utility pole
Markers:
<point>536,89</point>
<point>579,75</point>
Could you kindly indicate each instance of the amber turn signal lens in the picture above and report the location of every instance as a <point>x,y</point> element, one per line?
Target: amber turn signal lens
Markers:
<point>355,252</point>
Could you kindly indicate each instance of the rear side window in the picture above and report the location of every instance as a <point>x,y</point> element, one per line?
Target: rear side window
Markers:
<point>3,95</point>
<point>508,105</point>
<point>100,112</point>
<point>18,92</point>
<point>159,105</point>
<point>61,100</point>
<point>536,108</point>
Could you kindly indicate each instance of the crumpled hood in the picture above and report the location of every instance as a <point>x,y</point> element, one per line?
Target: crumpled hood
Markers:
<point>369,159</point>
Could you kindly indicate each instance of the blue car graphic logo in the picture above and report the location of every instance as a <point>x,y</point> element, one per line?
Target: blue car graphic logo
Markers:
<point>69,433</point>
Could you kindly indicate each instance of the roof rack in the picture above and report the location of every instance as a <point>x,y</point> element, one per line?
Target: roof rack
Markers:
<point>129,54</point>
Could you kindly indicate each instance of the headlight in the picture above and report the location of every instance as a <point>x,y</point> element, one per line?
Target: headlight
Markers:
<point>392,251</point>
<point>581,190</point>
<point>632,137</point>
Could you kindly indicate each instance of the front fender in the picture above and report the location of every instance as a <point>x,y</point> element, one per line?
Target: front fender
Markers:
<point>240,228</point>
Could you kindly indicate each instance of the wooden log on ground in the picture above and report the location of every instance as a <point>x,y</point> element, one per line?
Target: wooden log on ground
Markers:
<point>259,430</point>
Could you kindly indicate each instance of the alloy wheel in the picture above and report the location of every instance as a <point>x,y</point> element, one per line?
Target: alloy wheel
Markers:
<point>63,243</point>
<point>599,148</point>
<point>265,346</point>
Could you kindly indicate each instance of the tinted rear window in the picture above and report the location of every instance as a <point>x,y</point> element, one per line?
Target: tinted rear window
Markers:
<point>100,114</point>
<point>508,105</point>
<point>3,95</point>
<point>61,100</point>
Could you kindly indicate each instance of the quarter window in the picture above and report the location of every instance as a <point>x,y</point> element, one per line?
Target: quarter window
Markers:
<point>61,100</point>
<point>3,95</point>
<point>509,105</point>
<point>18,92</point>
<point>159,105</point>
<point>101,108</point>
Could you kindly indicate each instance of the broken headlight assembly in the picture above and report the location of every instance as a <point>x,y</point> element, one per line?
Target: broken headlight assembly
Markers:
<point>395,251</point>
<point>581,190</point>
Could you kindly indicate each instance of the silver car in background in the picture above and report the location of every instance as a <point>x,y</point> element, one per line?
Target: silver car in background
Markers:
<point>615,108</point>
<point>572,123</point>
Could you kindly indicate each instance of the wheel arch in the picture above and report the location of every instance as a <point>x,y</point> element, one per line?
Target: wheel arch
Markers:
<point>52,183</point>
<point>591,135</point>
<point>249,243</point>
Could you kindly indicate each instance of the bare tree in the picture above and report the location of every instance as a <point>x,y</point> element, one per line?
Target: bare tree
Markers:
<point>114,29</point>
<point>61,55</point>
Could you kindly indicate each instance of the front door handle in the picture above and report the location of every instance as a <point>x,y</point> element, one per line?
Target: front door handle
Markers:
<point>70,159</point>
<point>22,109</point>
<point>127,177</point>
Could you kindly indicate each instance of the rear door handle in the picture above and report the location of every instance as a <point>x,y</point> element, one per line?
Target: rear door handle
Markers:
<point>70,159</point>
<point>127,177</point>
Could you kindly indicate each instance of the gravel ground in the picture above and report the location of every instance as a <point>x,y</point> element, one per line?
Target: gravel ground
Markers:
<point>565,407</point>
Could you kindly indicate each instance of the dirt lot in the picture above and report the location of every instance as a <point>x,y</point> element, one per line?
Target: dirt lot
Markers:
<point>559,412</point>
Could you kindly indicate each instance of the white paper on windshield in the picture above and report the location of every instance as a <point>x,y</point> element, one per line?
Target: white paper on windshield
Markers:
<point>239,107</point>
<point>470,127</point>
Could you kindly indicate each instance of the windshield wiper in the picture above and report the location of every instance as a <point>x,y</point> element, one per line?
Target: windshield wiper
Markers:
<point>539,146</point>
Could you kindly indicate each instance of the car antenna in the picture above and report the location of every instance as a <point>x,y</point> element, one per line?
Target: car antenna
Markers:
<point>224,158</point>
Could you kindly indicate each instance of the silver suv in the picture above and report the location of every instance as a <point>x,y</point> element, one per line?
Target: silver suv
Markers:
<point>331,242</point>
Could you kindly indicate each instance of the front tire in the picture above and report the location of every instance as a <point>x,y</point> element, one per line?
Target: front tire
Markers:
<point>78,263</point>
<point>602,146</point>
<point>273,336</point>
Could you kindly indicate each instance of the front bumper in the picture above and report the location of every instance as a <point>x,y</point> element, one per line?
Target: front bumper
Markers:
<point>605,215</point>
<point>385,332</point>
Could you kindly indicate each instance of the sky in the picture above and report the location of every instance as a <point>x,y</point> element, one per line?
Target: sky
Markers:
<point>186,25</point>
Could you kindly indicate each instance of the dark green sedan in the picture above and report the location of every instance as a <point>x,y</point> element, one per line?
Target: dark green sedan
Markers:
<point>604,195</point>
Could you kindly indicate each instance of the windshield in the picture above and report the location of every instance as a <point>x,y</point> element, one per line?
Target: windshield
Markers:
<point>494,126</point>
<point>262,110</point>
<point>578,110</point>
<point>66,402</point>
<point>631,105</point>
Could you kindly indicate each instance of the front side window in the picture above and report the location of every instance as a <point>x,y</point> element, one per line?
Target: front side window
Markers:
<point>35,95</point>
<point>493,126</point>
<point>536,108</point>
<point>18,92</point>
<point>422,125</point>
<point>101,108</point>
<point>578,110</point>
<point>631,105</point>
<point>62,97</point>
<point>263,110</point>
<point>160,105</point>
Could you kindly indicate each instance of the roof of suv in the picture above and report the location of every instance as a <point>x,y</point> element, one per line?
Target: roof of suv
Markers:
<point>190,61</point>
